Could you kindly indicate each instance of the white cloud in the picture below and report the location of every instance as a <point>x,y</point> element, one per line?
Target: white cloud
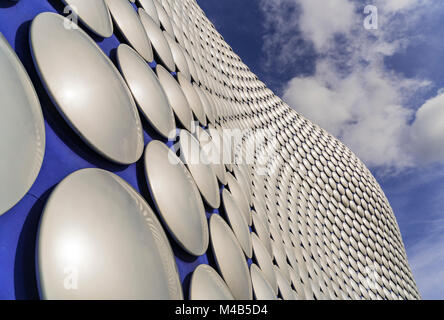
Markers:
<point>363,108</point>
<point>351,94</point>
<point>322,20</point>
<point>428,130</point>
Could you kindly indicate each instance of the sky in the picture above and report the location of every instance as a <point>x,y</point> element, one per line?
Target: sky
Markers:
<point>376,85</point>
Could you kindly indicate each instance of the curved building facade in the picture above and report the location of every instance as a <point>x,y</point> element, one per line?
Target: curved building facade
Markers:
<point>144,160</point>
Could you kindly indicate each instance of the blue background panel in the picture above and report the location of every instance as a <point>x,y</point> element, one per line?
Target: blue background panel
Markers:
<point>65,153</point>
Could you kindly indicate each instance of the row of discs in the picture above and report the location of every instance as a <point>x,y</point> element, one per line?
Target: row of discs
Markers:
<point>294,199</point>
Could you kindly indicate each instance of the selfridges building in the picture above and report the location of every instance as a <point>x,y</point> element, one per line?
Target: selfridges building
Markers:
<point>142,159</point>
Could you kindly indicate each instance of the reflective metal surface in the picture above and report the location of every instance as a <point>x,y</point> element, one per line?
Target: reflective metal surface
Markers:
<point>147,90</point>
<point>212,153</point>
<point>22,130</point>
<point>184,217</point>
<point>280,258</point>
<point>150,8</point>
<point>230,259</point>
<point>208,108</point>
<point>176,97</point>
<point>239,196</point>
<point>88,91</point>
<point>261,287</point>
<point>206,284</point>
<point>284,286</point>
<point>193,98</point>
<point>98,239</point>
<point>178,56</point>
<point>264,261</point>
<point>131,27</point>
<point>244,183</point>
<point>158,40</point>
<point>322,224</point>
<point>163,17</point>
<point>262,231</point>
<point>94,14</point>
<point>237,223</point>
<point>196,161</point>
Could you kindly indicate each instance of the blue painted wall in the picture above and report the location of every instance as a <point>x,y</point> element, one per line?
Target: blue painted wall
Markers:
<point>65,153</point>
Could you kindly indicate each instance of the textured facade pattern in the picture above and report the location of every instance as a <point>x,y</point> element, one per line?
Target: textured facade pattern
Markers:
<point>278,209</point>
<point>325,211</point>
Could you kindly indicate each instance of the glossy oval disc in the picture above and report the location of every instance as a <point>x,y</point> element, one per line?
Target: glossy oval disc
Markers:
<point>240,197</point>
<point>176,97</point>
<point>178,56</point>
<point>88,91</point>
<point>262,232</point>
<point>193,98</point>
<point>158,40</point>
<point>207,284</point>
<point>208,145</point>
<point>163,17</point>
<point>281,258</point>
<point>191,66</point>
<point>150,8</point>
<point>284,285</point>
<point>129,24</point>
<point>221,145</point>
<point>177,198</point>
<point>243,181</point>
<point>261,287</point>
<point>230,259</point>
<point>22,129</point>
<point>237,222</point>
<point>147,90</point>
<point>99,239</point>
<point>196,161</point>
<point>94,14</point>
<point>205,104</point>
<point>264,261</point>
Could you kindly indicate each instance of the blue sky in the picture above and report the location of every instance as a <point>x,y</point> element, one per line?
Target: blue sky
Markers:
<point>380,91</point>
